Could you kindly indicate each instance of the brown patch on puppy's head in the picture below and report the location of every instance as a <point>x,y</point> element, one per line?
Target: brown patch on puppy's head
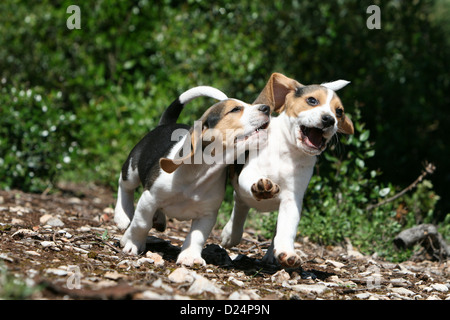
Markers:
<point>228,120</point>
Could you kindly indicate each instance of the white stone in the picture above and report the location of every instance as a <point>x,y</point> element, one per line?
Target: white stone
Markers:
<point>363,295</point>
<point>55,222</point>
<point>47,244</point>
<point>33,253</point>
<point>439,287</point>
<point>335,263</point>
<point>310,288</point>
<point>236,282</point>
<point>181,275</point>
<point>58,272</point>
<point>45,218</point>
<point>402,291</point>
<point>201,285</point>
<point>280,276</point>
<point>156,258</point>
<point>24,233</point>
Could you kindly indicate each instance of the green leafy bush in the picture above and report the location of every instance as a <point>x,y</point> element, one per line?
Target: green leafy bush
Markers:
<point>35,138</point>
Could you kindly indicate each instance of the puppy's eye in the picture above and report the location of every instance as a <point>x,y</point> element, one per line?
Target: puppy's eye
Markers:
<point>339,112</point>
<point>235,109</point>
<point>312,101</point>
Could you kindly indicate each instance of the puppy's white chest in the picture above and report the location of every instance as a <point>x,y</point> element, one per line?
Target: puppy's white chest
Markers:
<point>282,164</point>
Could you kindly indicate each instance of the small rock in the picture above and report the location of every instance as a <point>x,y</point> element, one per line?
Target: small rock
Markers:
<point>244,295</point>
<point>156,258</point>
<point>55,222</point>
<point>310,288</point>
<point>336,264</point>
<point>363,295</point>
<point>33,253</point>
<point>47,244</point>
<point>108,210</point>
<point>24,233</point>
<point>159,284</point>
<point>280,276</point>
<point>400,282</point>
<point>113,275</point>
<point>151,295</point>
<point>439,287</point>
<point>404,270</point>
<point>402,291</point>
<point>74,200</point>
<point>16,221</point>
<point>201,285</point>
<point>433,297</point>
<point>182,275</point>
<point>45,218</point>
<point>65,234</point>
<point>5,257</point>
<point>57,272</point>
<point>19,210</point>
<point>351,252</point>
<point>142,261</point>
<point>335,279</point>
<point>236,282</point>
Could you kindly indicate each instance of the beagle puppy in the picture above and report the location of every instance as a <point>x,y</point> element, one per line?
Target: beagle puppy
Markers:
<point>183,170</point>
<point>277,178</point>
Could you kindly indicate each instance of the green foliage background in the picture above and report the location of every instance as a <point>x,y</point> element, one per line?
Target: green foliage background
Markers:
<point>74,102</point>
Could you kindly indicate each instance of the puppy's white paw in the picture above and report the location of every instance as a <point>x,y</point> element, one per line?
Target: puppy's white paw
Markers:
<point>188,258</point>
<point>287,259</point>
<point>122,222</point>
<point>230,238</point>
<point>121,218</point>
<point>132,246</point>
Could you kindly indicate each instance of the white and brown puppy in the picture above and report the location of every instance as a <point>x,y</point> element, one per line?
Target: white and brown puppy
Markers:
<point>277,178</point>
<point>186,186</point>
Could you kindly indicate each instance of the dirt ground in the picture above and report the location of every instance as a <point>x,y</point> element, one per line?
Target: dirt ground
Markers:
<point>66,246</point>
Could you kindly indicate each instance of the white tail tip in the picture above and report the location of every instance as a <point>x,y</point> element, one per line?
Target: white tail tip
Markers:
<point>202,91</point>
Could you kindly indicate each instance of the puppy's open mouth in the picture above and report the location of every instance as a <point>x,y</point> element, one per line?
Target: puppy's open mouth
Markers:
<point>312,137</point>
<point>245,136</point>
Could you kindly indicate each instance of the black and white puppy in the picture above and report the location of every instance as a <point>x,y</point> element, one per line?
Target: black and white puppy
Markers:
<point>190,185</point>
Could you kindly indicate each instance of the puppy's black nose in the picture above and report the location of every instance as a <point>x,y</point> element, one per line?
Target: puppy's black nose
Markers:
<point>327,120</point>
<point>264,109</point>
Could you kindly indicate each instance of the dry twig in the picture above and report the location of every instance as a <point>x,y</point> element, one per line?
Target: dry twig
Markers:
<point>429,169</point>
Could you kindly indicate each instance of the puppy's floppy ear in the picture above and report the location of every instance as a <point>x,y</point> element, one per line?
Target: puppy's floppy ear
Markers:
<point>170,165</point>
<point>335,85</point>
<point>345,125</point>
<point>275,92</point>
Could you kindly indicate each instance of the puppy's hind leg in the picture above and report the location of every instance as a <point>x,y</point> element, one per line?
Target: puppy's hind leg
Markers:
<point>135,236</point>
<point>124,210</point>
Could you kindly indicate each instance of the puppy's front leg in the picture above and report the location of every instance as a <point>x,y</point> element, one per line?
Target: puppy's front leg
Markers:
<point>233,230</point>
<point>191,252</point>
<point>287,223</point>
<point>135,237</point>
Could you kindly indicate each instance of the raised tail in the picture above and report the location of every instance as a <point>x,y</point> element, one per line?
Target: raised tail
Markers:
<point>173,111</point>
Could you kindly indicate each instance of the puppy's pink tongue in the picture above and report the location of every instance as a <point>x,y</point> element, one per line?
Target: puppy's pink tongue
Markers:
<point>315,137</point>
